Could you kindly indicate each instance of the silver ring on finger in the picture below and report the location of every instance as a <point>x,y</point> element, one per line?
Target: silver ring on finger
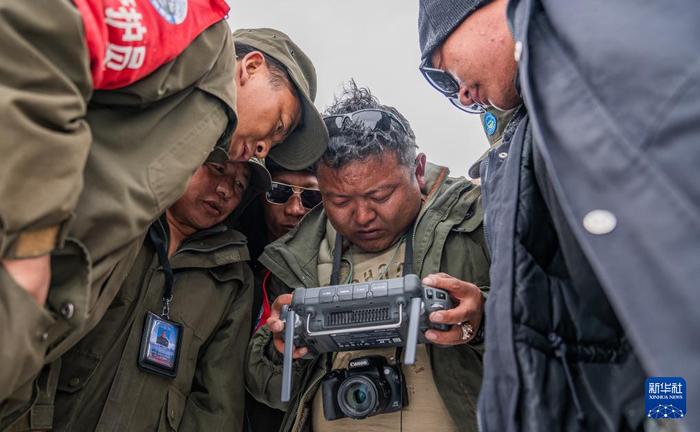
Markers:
<point>467,331</point>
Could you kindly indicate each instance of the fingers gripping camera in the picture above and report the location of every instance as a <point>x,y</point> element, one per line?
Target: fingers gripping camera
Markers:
<point>384,313</point>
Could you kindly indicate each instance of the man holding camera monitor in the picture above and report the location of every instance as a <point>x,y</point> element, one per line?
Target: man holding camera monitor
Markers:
<point>389,210</point>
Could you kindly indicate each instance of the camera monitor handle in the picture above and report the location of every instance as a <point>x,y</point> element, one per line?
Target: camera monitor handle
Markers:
<point>409,355</point>
<point>288,350</point>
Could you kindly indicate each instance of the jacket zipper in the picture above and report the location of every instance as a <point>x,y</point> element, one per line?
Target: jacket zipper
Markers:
<point>313,387</point>
<point>484,199</point>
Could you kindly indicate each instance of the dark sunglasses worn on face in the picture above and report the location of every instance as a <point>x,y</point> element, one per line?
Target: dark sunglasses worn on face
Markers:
<point>448,86</point>
<point>280,193</point>
<point>373,119</point>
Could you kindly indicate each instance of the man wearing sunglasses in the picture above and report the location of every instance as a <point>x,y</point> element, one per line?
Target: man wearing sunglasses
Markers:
<point>293,193</point>
<point>379,195</point>
<point>193,254</point>
<point>291,196</point>
<point>584,245</point>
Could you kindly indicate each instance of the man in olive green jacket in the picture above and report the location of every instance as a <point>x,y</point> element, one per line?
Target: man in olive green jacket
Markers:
<point>90,169</point>
<point>372,196</point>
<point>88,174</point>
<point>100,385</point>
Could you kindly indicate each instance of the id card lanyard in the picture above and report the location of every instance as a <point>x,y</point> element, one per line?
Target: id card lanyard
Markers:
<point>164,262</point>
<point>162,337</point>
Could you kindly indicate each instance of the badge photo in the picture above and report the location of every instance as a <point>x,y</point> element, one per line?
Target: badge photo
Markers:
<point>160,345</point>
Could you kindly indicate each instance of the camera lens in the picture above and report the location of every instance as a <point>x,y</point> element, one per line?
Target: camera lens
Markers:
<point>358,397</point>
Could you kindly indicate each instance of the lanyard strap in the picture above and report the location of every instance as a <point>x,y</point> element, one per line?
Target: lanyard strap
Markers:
<point>338,255</point>
<point>159,244</point>
<point>408,259</point>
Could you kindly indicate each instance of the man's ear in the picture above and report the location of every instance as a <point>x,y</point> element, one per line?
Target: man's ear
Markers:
<point>250,65</point>
<point>420,170</point>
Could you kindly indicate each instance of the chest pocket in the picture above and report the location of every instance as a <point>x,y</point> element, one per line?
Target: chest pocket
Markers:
<point>465,255</point>
<point>462,222</point>
<point>78,368</point>
<point>226,274</point>
<point>472,219</point>
<point>202,297</point>
<point>171,414</point>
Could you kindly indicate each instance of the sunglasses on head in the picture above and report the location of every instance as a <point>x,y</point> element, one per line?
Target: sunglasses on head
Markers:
<point>280,193</point>
<point>373,119</point>
<point>448,86</point>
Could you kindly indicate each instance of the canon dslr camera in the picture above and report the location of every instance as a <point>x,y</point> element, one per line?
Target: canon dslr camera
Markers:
<point>369,386</point>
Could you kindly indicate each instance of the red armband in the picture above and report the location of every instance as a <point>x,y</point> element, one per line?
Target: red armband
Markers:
<point>129,39</point>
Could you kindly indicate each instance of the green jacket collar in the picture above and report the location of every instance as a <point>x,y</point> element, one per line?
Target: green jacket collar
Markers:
<point>213,247</point>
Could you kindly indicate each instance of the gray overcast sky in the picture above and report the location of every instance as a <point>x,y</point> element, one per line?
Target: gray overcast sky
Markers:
<point>376,43</point>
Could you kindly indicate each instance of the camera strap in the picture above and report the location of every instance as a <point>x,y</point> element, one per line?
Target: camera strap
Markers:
<point>338,255</point>
<point>408,259</point>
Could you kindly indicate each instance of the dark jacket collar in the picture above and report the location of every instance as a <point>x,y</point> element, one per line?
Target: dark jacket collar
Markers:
<point>208,248</point>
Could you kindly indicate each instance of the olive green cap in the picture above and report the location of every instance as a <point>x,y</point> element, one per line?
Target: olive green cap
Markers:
<point>309,139</point>
<point>259,182</point>
<point>260,179</point>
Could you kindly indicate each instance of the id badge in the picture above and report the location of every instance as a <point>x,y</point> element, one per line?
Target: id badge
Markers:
<point>160,345</point>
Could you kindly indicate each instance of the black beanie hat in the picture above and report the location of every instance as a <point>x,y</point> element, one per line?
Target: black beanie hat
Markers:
<point>438,18</point>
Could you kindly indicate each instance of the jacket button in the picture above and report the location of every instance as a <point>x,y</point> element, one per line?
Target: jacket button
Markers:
<point>599,222</point>
<point>503,155</point>
<point>74,382</point>
<point>67,310</point>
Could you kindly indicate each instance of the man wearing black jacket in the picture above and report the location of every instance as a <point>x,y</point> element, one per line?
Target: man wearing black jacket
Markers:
<point>591,213</point>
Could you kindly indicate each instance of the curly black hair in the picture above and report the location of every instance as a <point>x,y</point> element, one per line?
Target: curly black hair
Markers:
<point>356,142</point>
